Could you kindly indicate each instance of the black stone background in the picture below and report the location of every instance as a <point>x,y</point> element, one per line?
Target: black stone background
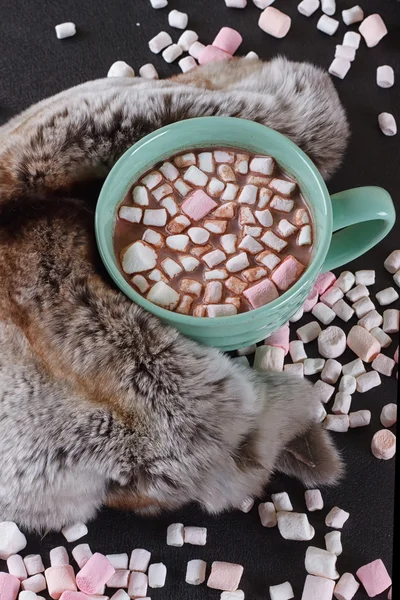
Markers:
<point>34,64</point>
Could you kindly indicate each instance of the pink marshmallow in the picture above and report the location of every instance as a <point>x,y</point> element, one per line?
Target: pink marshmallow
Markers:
<point>262,293</point>
<point>363,344</point>
<point>138,583</point>
<point>287,273</point>
<point>198,205</point>
<point>212,54</point>
<point>374,577</point>
<point>346,588</point>
<point>324,281</point>
<point>280,339</point>
<point>73,596</point>
<point>317,588</point>
<point>228,40</point>
<point>274,22</point>
<point>60,579</point>
<point>9,586</point>
<point>373,29</point>
<point>96,572</point>
<point>311,300</point>
<point>225,576</point>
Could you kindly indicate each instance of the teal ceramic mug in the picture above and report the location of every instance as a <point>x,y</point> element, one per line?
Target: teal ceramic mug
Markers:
<point>359,217</point>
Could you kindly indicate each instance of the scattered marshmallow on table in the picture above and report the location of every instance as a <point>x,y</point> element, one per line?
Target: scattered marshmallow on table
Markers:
<point>294,370</point>
<point>352,39</point>
<point>297,352</point>
<point>345,52</point>
<point>297,315</point>
<point>321,563</point>
<point>252,54</point>
<point>333,542</point>
<point>331,371</point>
<point>159,3</point>
<point>33,564</point>
<point>336,518</point>
<point>327,25</point>
<point>28,595</point>
<point>348,384</point>
<point>338,423</point>
<point>346,588</point>
<point>354,368</point>
<point>359,418</point>
<point>317,588</point>
<point>383,364</point>
<point>196,49</point>
<point>388,416</point>
<point>331,342</point>
<point>65,30</point>
<point>385,76</point>
<point>374,577</point>
<point>323,390</point>
<point>159,42</point>
<point>283,591</point>
<point>323,313</point>
<point>328,7</point>
<point>237,595</point>
<point>363,307</point>
<point>387,296</point>
<point>178,19</point>
<point>74,532</point>
<point>196,572</point>
<point>365,277</point>
<point>308,7</point>
<point>313,365</point>
<point>212,54</point>
<point>247,350</point>
<point>353,15</point>
<point>331,296</point>
<point>396,278</point>
<point>118,561</point>
<point>383,444</point>
<point>261,4</point>
<point>148,71</point>
<point>391,320</point>
<point>281,501</point>
<point>342,403</point>
<point>187,64</point>
<point>62,578</point>
<point>319,413</point>
<point>367,381</point>
<point>172,53</point>
<point>16,567</point>
<point>294,526</point>
<point>246,505</point>
<point>392,262</point>
<point>308,333</point>
<point>197,536</point>
<point>371,320</point>
<point>81,554</point>
<point>373,29</point>
<point>228,40</point>
<point>139,560</point>
<point>324,282</point>
<point>345,281</point>
<point>12,540</point>
<point>157,575</point>
<point>236,3</point>
<point>339,67</point>
<point>187,38</point>
<point>9,586</point>
<point>120,69</point>
<point>363,344</point>
<point>225,576</point>
<point>267,514</point>
<point>269,358</point>
<point>383,338</point>
<point>360,291</point>
<point>313,500</point>
<point>274,22</point>
<point>95,573</point>
<point>311,301</point>
<point>176,535</point>
<point>120,579</point>
<point>138,584</point>
<point>280,339</point>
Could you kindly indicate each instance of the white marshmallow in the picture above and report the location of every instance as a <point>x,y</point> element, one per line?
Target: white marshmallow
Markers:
<point>331,342</point>
<point>213,292</point>
<point>172,53</point>
<point>391,320</point>
<point>347,384</point>
<point>339,67</point>
<point>345,281</point>
<point>328,7</point>
<point>283,591</point>
<point>343,310</point>
<point>323,313</point>
<point>313,365</point>
<point>196,572</point>
<point>159,3</point>
<point>333,542</point>
<point>216,274</point>
<point>118,561</point>
<point>294,526</point>
<point>187,64</point>
<point>248,503</point>
<point>131,214</point>
<point>169,171</point>
<point>140,195</point>
<point>297,352</point>
<point>136,258</point>
<point>228,243</point>
<point>327,25</point>
<point>387,124</point>
<point>255,232</point>
<point>309,332</point>
<point>346,587</point>
<point>313,500</point>
<point>324,390</point>
<point>282,186</point>
<point>139,560</point>
<point>225,172</point>
<point>178,19</point>
<point>59,555</point>
<point>175,535</point>
<point>138,583</point>
<point>163,295</point>
<point>360,291</point>
<point>267,514</point>
<point>237,263</point>
<point>301,217</point>
<point>298,314</point>
<point>196,536</point>
<point>170,205</point>
<point>262,4</point>
<point>196,49</point>
<point>273,241</point>
<point>187,38</point>
<point>331,296</point>
<point>388,415</point>
<point>387,296</point>
<point>382,337</point>
<point>269,359</point>
<point>120,69</point>
<point>354,368</point>
<point>336,518</point>
<point>346,52</point>
<point>338,423</point>
<point>77,530</point>
<point>363,307</point>
<point>250,245</point>
<point>392,263</point>
<point>236,3</point>
<point>319,413</point>
<point>36,583</point>
<point>396,278</point>
<point>367,381</point>
<point>155,216</point>
<point>294,370</point>
<point>65,30</point>
<point>179,242</point>
<point>221,310</point>
<point>246,350</point>
<point>195,176</point>
<point>304,237</point>
<point>285,228</point>
<point>252,54</point>
<point>27,595</point>
<point>371,320</point>
<point>317,588</point>
<point>33,564</point>
<point>198,235</point>
<point>263,165</point>
<point>308,7</point>
<point>365,277</point>
<point>221,156</point>
<point>159,42</point>
<point>182,187</point>
<point>230,192</point>
<point>248,195</point>
<point>81,554</point>
<point>214,258</point>
<point>148,71</point>
<point>321,563</point>
<point>281,501</point>
<point>265,196</point>
<point>383,364</point>
<point>353,15</point>
<point>352,39</point>
<point>342,403</point>
<point>360,418</point>
<point>282,204</point>
<point>238,595</point>
<point>157,575</point>
<point>153,238</point>
<point>152,180</point>
<point>246,216</point>
<point>331,371</point>
<point>385,76</point>
<point>16,567</point>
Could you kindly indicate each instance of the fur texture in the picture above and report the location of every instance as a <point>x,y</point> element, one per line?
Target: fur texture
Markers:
<point>99,401</point>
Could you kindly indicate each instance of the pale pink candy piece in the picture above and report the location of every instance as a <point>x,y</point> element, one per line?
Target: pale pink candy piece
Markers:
<point>228,40</point>
<point>280,339</point>
<point>262,293</point>
<point>363,344</point>
<point>119,579</point>
<point>138,583</point>
<point>383,364</point>
<point>317,588</point>
<point>324,281</point>
<point>383,445</point>
<point>374,577</point>
<point>212,54</point>
<point>313,500</point>
<point>346,588</point>
<point>9,586</point>
<point>267,513</point>
<point>225,576</point>
<point>198,205</point>
<point>67,595</point>
<point>373,29</point>
<point>96,572</point>
<point>61,579</point>
<point>274,22</point>
<point>336,518</point>
<point>287,273</point>
<point>311,300</point>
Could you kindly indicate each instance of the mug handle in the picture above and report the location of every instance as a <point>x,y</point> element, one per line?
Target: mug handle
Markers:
<point>362,217</point>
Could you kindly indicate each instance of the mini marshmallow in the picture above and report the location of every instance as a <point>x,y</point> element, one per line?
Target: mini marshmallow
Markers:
<point>311,301</point>
<point>212,54</point>
<point>33,564</point>
<point>255,232</point>
<point>331,371</point>
<point>62,578</point>
<point>317,588</point>
<point>308,7</point>
<point>236,3</point>
<point>304,238</point>
<point>119,595</point>
<point>187,38</point>
<point>9,586</point>
<point>392,263</point>
<point>338,423</point>
<point>120,69</point>
<point>195,176</point>
<point>324,282</point>
<point>163,295</point>
<point>237,595</point>
<point>261,4</point>
<point>246,216</point>
<point>365,277</point>
<point>264,196</point>
<point>148,71</point>
<point>172,53</point>
<point>251,245</point>
<point>269,359</point>
<point>313,500</point>
<point>353,15</point>
<point>237,263</point>
<point>215,187</point>
<point>328,7</point>
<point>370,320</point>
<point>345,281</point>
<point>382,337</point>
<point>342,403</point>
<point>331,296</point>
<point>138,583</point>
<point>130,213</point>
<point>157,575</point>
<point>196,572</point>
<point>159,42</point>
<point>357,293</point>
<point>383,445</point>
<point>236,286</point>
<point>282,204</point>
<point>348,384</point>
<point>120,578</point>
<point>279,338</point>
<point>345,52</point>
<point>282,501</point>
<point>373,29</point>
<point>363,344</point>
<point>216,257</point>
<point>388,416</point>
<point>385,76</point>
<point>94,574</point>
<point>270,260</point>
<point>216,274</point>
<point>331,341</point>
<point>229,193</point>
<point>324,314</point>
<point>387,296</point>
<point>184,305</point>
<point>139,560</point>
<point>175,535</point>
<point>285,228</point>
<point>363,306</point>
<point>352,39</point>
<point>336,518</point>
<point>182,187</point>
<point>196,536</point>
<point>294,526</point>
<point>283,591</point>
<point>333,542</point>
<point>196,49</point>
<point>368,381</point>
<point>360,418</point>
<point>263,165</point>
<point>27,595</point>
<point>170,267</point>
<point>313,365</point>
<point>391,320</point>
<point>309,332</point>
<point>215,226</point>
<point>339,67</point>
<point>225,576</point>
<point>383,364</point>
<point>221,310</point>
<point>198,205</point>
<point>248,194</point>
<point>187,64</point>
<point>228,40</point>
<point>343,310</point>
<point>287,273</point>
<point>81,554</point>
<point>206,162</point>
<point>282,186</point>
<point>274,22</point>
<point>16,567</point>
<point>254,274</point>
<point>119,562</point>
<point>178,242</point>
<point>374,577</point>
<point>163,190</point>
<point>247,503</point>
<point>273,241</point>
<point>12,540</point>
<point>324,391</point>
<point>297,315</point>
<point>321,563</point>
<point>191,286</point>
<point>140,195</point>
<point>156,275</point>
<point>267,514</point>
<point>354,368</point>
<point>252,55</point>
<point>246,350</point>
<point>396,278</point>
<point>327,25</point>
<point>178,19</point>
<point>159,3</point>
<point>297,352</point>
<point>346,587</point>
<point>65,30</point>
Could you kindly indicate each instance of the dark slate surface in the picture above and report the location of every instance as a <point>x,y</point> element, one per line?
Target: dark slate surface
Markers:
<point>34,64</point>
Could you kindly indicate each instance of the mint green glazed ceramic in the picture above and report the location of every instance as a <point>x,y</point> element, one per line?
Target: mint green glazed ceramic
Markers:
<point>360,217</point>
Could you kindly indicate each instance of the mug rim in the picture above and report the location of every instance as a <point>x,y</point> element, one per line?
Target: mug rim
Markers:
<point>253,129</point>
